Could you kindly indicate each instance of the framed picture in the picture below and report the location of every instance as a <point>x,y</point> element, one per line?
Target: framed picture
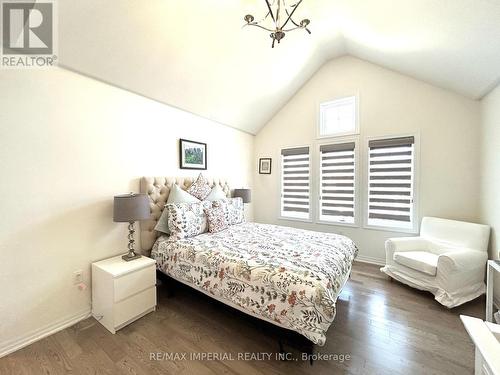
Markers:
<point>192,155</point>
<point>265,165</point>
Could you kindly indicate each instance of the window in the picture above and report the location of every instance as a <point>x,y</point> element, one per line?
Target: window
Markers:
<point>338,117</point>
<point>391,183</point>
<point>295,188</point>
<point>337,176</point>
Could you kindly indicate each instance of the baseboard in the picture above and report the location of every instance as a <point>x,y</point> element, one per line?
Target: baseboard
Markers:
<point>371,260</point>
<point>11,346</point>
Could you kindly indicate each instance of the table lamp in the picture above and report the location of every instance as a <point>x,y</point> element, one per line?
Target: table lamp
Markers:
<point>245,194</point>
<point>129,208</point>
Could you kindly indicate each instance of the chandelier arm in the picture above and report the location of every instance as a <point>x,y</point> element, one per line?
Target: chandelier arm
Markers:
<point>257,23</point>
<point>259,26</point>
<point>291,29</point>
<point>291,14</point>
<point>263,18</point>
<point>291,19</point>
<point>270,11</point>
<point>296,28</point>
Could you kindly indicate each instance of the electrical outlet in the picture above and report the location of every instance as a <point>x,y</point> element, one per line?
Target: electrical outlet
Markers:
<point>77,277</point>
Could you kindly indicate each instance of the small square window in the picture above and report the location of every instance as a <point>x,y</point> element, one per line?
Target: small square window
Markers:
<point>338,117</point>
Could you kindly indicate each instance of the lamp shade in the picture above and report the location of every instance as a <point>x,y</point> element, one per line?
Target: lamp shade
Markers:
<point>245,194</point>
<point>130,207</point>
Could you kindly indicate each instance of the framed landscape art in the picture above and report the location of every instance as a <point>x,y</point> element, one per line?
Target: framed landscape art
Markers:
<point>192,155</point>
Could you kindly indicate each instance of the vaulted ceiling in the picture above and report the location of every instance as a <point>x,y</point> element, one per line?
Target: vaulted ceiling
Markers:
<point>195,55</point>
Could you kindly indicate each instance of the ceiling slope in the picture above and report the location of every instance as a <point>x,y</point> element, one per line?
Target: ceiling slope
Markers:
<point>195,55</point>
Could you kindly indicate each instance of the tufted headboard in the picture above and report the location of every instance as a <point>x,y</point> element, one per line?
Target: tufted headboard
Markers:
<point>157,189</point>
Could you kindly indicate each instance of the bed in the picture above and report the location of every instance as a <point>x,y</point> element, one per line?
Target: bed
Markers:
<point>286,276</point>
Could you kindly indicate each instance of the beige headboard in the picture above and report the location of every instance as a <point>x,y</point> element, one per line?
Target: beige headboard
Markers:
<point>157,189</point>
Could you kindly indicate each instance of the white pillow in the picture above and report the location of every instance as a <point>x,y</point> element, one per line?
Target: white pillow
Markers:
<point>216,194</point>
<point>177,195</point>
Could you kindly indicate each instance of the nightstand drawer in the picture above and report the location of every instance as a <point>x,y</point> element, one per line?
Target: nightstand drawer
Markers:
<point>134,306</point>
<point>134,282</point>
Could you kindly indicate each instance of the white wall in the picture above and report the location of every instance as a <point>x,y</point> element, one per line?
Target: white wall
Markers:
<point>390,104</point>
<point>67,145</point>
<point>490,167</point>
<point>490,171</point>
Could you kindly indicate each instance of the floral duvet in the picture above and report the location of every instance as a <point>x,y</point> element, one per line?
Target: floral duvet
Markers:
<point>287,276</point>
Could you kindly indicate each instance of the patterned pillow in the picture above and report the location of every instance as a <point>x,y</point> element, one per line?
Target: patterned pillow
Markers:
<point>216,219</point>
<point>200,188</point>
<point>233,210</point>
<point>187,219</point>
<point>176,195</point>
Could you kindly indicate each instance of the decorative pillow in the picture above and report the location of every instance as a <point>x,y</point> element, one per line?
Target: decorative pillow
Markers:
<point>176,195</point>
<point>216,194</point>
<point>200,188</point>
<point>216,219</point>
<point>187,219</point>
<point>233,210</point>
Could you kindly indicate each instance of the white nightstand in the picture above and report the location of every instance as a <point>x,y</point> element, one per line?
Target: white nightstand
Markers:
<point>123,291</point>
<point>493,266</point>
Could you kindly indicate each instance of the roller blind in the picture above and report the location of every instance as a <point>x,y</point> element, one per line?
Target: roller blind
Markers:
<point>337,192</point>
<point>295,186</point>
<point>391,182</point>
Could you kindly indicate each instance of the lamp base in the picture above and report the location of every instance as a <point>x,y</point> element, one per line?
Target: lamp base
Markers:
<point>129,257</point>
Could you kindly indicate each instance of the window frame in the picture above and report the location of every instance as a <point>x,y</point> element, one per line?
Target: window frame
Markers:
<point>357,171</point>
<point>414,229</point>
<point>280,191</point>
<point>356,130</point>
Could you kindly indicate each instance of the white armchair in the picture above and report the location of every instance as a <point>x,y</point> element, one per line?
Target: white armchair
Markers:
<point>448,259</point>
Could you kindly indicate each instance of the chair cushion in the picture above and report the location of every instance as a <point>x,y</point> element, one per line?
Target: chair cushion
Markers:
<point>422,261</point>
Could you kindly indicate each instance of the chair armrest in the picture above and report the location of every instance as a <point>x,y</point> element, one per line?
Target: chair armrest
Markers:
<point>398,244</point>
<point>463,259</point>
<point>406,244</point>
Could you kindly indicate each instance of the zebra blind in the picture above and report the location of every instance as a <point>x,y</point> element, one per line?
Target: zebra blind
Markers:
<point>295,187</point>
<point>337,171</point>
<point>391,182</point>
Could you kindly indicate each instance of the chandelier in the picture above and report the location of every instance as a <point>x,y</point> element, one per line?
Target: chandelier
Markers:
<point>281,15</point>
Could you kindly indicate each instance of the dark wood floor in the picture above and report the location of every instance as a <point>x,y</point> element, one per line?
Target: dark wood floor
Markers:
<point>385,327</point>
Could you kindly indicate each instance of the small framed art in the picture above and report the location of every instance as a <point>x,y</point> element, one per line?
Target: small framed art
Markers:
<point>192,155</point>
<point>265,165</point>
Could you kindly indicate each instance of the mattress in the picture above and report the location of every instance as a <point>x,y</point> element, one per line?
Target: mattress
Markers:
<point>286,276</point>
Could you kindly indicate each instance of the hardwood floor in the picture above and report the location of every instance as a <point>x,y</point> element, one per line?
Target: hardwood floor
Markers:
<point>385,328</point>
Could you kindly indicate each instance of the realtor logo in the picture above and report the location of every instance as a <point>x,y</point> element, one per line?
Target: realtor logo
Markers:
<point>28,31</point>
